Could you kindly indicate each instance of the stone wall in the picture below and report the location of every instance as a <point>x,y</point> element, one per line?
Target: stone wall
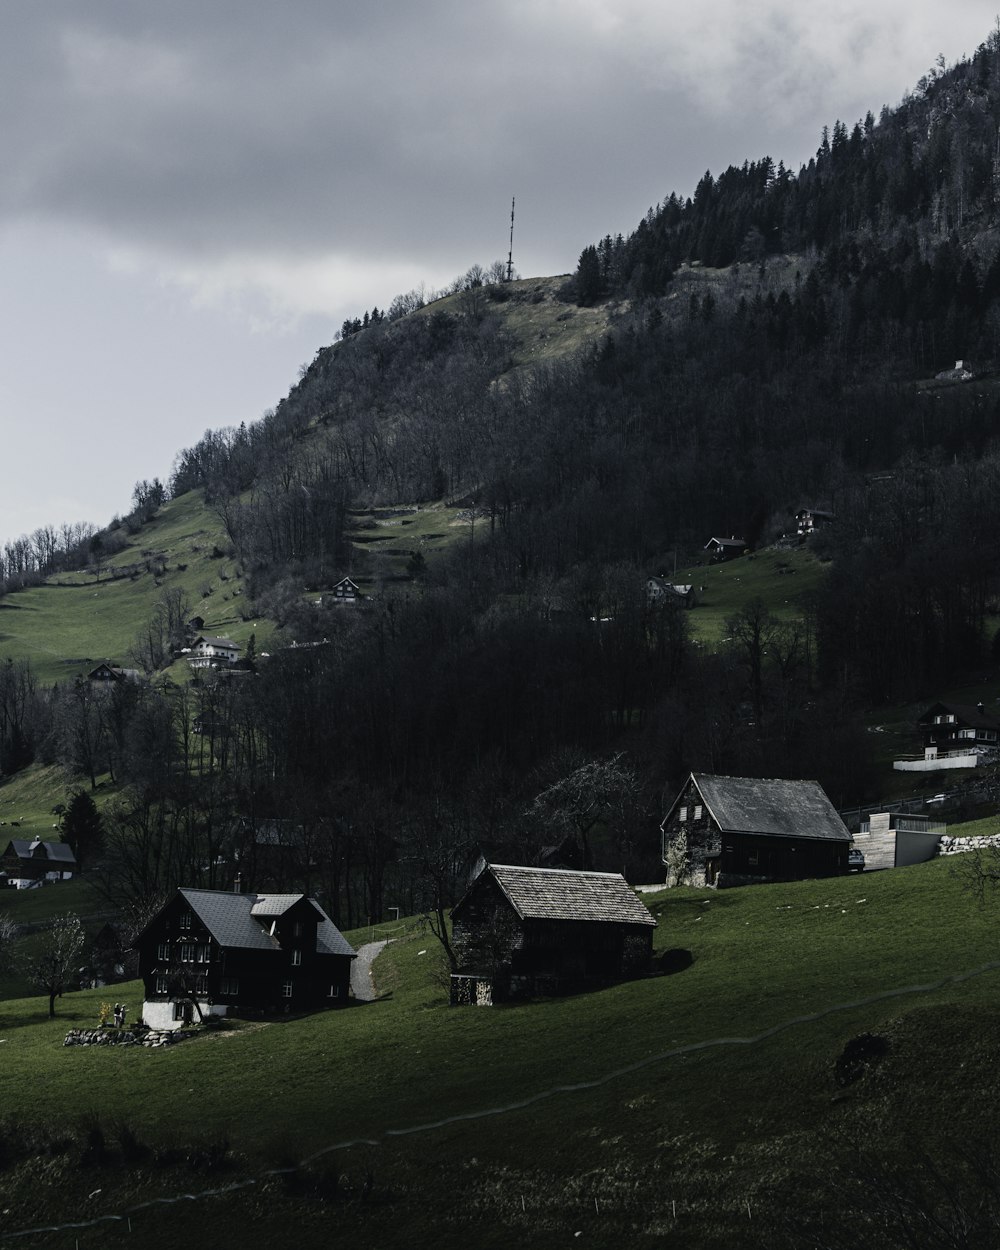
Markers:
<point>121,1037</point>
<point>956,846</point>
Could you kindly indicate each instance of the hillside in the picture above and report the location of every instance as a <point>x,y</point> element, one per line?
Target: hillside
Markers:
<point>541,1120</point>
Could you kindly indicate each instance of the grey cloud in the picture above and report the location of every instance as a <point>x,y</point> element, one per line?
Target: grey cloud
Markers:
<point>201,129</point>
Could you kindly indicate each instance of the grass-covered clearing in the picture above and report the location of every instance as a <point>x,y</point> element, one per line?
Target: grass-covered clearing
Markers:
<point>76,620</point>
<point>784,580</point>
<point>703,1127</point>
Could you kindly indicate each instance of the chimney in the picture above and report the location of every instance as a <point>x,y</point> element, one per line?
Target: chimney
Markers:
<point>237,883</point>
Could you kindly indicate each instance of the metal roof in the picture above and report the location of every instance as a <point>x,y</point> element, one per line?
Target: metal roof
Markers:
<point>764,805</point>
<point>561,894</point>
<point>240,920</point>
<point>56,852</point>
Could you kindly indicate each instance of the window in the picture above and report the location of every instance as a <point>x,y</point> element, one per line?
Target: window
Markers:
<point>296,958</point>
<point>286,989</point>
<point>753,858</point>
<point>682,814</point>
<point>297,929</point>
<point>185,920</point>
<point>187,950</point>
<point>163,950</point>
<point>161,985</point>
<point>230,986</point>
<point>697,811</point>
<point>333,991</point>
<point>201,986</point>
<point>204,954</point>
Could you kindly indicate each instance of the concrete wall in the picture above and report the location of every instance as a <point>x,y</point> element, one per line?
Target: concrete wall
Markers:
<point>160,1015</point>
<point>915,848</point>
<point>935,765</point>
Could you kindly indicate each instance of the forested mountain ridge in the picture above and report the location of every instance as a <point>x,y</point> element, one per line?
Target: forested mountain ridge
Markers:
<point>758,347</point>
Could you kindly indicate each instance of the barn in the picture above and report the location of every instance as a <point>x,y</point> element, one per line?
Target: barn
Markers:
<point>520,932</point>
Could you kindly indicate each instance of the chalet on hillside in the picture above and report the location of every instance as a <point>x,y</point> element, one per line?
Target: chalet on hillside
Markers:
<point>106,674</point>
<point>668,594</point>
<point>345,591</point>
<point>210,952</point>
<point>207,652</point>
<point>26,863</point>
<point>809,520</point>
<point>722,549</point>
<point>521,931</point>
<point>958,727</point>
<point>726,831</point>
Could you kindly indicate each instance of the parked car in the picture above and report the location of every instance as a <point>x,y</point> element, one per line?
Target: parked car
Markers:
<point>855,860</point>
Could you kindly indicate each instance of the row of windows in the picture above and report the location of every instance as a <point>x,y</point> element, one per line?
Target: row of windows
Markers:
<point>682,813</point>
<point>186,952</point>
<point>229,987</point>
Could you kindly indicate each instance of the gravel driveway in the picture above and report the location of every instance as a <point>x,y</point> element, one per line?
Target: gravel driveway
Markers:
<point>362,986</point>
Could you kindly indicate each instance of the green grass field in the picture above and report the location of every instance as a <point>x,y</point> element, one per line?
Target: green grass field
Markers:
<point>75,620</point>
<point>631,1096</point>
<point>782,579</point>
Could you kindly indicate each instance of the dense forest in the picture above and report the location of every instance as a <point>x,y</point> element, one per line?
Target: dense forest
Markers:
<point>766,338</point>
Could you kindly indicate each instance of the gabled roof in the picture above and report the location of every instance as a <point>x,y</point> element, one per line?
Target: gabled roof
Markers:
<point>725,542</point>
<point>241,920</point>
<point>55,852</point>
<point>974,716</point>
<point>764,805</point>
<point>559,894</point>
<point>215,642</point>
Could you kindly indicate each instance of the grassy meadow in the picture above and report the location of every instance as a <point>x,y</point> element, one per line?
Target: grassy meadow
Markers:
<point>72,622</point>
<point>642,1112</point>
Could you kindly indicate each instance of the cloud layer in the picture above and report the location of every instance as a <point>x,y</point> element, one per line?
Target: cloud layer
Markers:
<point>245,143</point>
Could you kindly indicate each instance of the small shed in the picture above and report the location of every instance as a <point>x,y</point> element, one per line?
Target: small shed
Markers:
<point>520,932</point>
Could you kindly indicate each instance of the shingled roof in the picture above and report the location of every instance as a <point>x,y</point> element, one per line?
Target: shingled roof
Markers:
<point>764,805</point>
<point>560,894</point>
<point>240,920</point>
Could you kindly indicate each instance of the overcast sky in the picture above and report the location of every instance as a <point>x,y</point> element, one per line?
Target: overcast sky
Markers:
<point>195,195</point>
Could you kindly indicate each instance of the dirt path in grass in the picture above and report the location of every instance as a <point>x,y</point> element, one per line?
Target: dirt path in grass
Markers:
<point>362,985</point>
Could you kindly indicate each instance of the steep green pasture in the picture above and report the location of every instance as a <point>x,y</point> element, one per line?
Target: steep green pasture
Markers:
<point>76,620</point>
<point>383,539</point>
<point>523,1125</point>
<point>784,580</point>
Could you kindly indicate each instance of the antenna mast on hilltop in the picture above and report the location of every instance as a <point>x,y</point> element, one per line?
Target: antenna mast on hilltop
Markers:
<point>510,254</point>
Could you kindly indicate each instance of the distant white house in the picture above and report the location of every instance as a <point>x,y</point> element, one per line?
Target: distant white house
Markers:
<point>209,652</point>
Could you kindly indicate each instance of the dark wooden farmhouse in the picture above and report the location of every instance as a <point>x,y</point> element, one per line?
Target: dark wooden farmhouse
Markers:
<point>209,952</point>
<point>345,591</point>
<point>26,863</point>
<point>720,549</point>
<point>107,675</point>
<point>522,931</point>
<point>725,831</point>
<point>958,728</point>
